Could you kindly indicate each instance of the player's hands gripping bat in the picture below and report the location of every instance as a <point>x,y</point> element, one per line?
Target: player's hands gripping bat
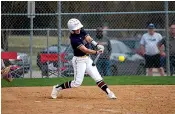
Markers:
<point>99,52</point>
<point>100,47</point>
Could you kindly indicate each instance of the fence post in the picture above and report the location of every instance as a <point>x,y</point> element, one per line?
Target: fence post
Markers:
<point>59,38</point>
<point>167,39</point>
<point>23,67</point>
<point>47,50</point>
<point>31,12</point>
<point>31,37</point>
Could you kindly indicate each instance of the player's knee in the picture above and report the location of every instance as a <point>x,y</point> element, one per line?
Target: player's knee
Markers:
<point>97,79</point>
<point>76,83</point>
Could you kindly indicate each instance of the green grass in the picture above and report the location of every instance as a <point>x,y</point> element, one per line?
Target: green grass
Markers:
<point>37,41</point>
<point>111,80</point>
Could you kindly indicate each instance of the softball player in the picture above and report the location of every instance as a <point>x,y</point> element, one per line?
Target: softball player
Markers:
<point>82,62</point>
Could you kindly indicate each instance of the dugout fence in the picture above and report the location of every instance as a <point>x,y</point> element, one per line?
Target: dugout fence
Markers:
<point>123,21</point>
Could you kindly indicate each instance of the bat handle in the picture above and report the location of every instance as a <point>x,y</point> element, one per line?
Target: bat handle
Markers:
<point>93,64</point>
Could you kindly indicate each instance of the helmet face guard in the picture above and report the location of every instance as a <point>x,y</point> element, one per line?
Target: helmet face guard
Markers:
<point>74,24</point>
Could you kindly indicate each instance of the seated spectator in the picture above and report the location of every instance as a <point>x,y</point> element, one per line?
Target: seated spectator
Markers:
<point>5,72</point>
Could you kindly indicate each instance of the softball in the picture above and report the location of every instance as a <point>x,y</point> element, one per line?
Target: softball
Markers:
<point>121,58</point>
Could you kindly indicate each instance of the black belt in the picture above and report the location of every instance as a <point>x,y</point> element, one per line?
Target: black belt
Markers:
<point>83,55</point>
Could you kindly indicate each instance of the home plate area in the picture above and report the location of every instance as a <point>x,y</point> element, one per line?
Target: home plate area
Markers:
<point>139,99</point>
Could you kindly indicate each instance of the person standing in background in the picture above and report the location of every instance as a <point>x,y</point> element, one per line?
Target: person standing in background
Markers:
<point>171,46</point>
<point>151,50</point>
<point>103,63</point>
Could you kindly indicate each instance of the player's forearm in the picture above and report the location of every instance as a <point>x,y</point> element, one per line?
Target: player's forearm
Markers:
<point>89,51</point>
<point>90,40</point>
<point>86,50</point>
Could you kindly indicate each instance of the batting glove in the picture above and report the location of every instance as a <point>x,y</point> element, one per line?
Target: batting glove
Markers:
<point>100,47</point>
<point>100,51</point>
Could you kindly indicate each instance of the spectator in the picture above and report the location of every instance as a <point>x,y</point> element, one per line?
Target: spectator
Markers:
<point>10,71</point>
<point>151,50</point>
<point>5,72</point>
<point>162,57</point>
<point>172,47</point>
<point>103,63</point>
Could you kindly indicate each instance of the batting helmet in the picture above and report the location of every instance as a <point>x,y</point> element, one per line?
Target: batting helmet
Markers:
<point>74,24</point>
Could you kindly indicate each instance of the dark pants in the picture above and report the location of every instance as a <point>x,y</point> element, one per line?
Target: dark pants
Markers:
<point>172,65</point>
<point>103,65</point>
<point>152,61</point>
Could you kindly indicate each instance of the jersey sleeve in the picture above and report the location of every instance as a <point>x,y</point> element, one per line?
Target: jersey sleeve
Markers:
<point>160,37</point>
<point>162,42</point>
<point>142,41</point>
<point>84,33</point>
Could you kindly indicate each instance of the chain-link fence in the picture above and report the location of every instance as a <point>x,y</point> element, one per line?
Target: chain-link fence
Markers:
<point>123,24</point>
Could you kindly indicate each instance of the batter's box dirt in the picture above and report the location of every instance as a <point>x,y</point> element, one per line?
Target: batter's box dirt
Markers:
<point>89,100</point>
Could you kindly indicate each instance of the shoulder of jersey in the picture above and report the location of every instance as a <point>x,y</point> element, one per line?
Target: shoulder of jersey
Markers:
<point>145,34</point>
<point>158,34</point>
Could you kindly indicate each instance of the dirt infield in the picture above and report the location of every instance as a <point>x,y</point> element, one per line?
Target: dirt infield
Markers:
<point>89,100</point>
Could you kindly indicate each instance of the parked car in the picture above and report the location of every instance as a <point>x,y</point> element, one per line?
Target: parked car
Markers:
<point>133,44</point>
<point>50,49</point>
<point>133,65</point>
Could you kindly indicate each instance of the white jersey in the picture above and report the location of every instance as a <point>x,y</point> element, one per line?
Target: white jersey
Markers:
<point>150,43</point>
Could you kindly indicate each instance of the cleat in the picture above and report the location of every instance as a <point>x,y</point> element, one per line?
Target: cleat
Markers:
<point>54,92</point>
<point>111,95</point>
